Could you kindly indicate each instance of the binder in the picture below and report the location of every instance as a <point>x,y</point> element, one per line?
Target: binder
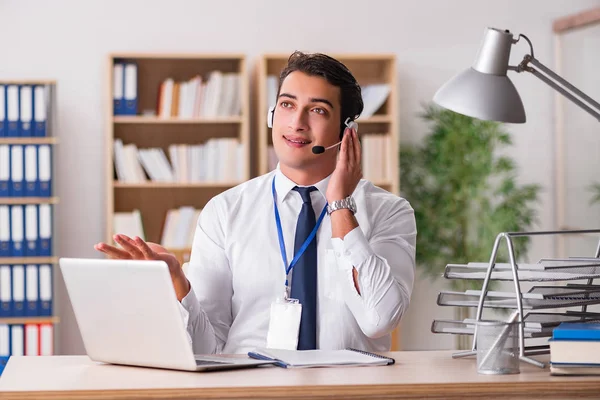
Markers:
<point>45,294</point>
<point>32,340</point>
<point>18,290</point>
<point>4,345</point>
<point>40,110</point>
<point>5,291</point>
<point>31,230</point>
<point>4,169</point>
<point>12,111</point>
<point>5,244</point>
<point>32,289</point>
<point>26,111</point>
<point>45,170</point>
<point>17,232</point>
<point>2,111</point>
<point>46,339</point>
<point>17,340</point>
<point>45,231</point>
<point>130,85</point>
<point>16,171</point>
<point>31,171</point>
<point>118,79</point>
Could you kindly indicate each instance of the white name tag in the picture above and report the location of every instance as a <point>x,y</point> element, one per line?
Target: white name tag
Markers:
<point>284,325</point>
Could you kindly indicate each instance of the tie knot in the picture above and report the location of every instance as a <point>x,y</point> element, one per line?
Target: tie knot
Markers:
<point>305,192</point>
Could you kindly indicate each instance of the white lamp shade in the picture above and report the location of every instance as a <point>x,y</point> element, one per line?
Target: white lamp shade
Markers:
<point>482,96</point>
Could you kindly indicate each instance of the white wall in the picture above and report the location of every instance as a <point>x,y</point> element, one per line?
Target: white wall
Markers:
<point>69,41</point>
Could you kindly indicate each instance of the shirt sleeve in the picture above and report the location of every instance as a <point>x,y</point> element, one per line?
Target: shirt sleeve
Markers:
<point>386,269</point>
<point>206,309</point>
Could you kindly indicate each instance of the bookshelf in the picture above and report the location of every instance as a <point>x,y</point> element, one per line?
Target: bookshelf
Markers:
<point>27,216</point>
<point>368,69</point>
<point>150,128</point>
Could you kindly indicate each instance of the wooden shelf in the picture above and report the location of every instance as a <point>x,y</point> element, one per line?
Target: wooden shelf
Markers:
<point>28,200</point>
<point>28,140</point>
<point>29,320</point>
<point>375,119</point>
<point>26,82</point>
<point>157,120</point>
<point>173,185</point>
<point>28,260</point>
<point>178,56</point>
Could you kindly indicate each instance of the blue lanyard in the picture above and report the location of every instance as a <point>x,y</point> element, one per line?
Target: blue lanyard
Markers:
<point>282,243</point>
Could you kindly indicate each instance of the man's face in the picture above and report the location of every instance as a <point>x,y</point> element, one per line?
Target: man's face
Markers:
<point>307,114</point>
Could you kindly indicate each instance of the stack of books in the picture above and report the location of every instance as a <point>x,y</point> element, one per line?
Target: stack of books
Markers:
<point>575,349</point>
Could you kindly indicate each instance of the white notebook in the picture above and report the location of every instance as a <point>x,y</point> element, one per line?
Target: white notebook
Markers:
<point>320,358</point>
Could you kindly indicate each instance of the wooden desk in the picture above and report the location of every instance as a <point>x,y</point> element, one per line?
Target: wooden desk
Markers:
<point>416,374</point>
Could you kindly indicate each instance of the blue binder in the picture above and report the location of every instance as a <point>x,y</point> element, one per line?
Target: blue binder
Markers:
<point>12,111</point>
<point>18,290</point>
<point>39,111</point>
<point>2,110</point>
<point>4,170</point>
<point>25,110</point>
<point>30,168</point>
<point>17,166</point>
<point>118,88</point>
<point>5,244</point>
<point>5,290</point>
<point>32,228</point>
<point>45,294</point>
<point>130,89</point>
<point>45,231</point>
<point>44,160</point>
<point>17,231</point>
<point>32,290</point>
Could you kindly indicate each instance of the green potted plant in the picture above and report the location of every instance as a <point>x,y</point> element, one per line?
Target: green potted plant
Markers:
<point>464,192</point>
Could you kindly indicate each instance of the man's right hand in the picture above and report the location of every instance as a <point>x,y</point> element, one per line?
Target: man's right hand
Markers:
<point>137,249</point>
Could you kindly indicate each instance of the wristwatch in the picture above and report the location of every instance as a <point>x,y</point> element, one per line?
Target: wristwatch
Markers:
<point>347,203</point>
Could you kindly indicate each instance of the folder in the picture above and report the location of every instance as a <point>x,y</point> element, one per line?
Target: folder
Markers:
<point>45,295</point>
<point>17,231</point>
<point>2,111</point>
<point>39,110</point>
<point>17,340</point>
<point>45,231</point>
<point>46,339</point>
<point>5,291</point>
<point>16,171</point>
<point>4,346</point>
<point>12,111</point>
<point>118,78</point>
<point>32,340</point>
<point>32,289</point>
<point>18,290</point>
<point>130,85</point>
<point>320,358</point>
<point>31,230</point>
<point>31,171</point>
<point>45,170</point>
<point>5,245</point>
<point>26,111</point>
<point>4,170</point>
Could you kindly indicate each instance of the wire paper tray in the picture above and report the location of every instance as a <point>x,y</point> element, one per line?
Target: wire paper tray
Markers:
<point>525,272</point>
<point>509,300</point>
<point>467,327</point>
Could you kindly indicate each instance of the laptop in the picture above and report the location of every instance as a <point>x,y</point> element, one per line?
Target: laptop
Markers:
<point>128,314</point>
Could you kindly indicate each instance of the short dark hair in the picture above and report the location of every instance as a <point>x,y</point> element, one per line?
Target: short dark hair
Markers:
<point>336,73</point>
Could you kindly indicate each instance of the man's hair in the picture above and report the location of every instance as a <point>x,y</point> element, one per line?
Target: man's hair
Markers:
<point>336,73</point>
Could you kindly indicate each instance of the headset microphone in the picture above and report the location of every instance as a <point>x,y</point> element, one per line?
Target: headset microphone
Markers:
<point>321,149</point>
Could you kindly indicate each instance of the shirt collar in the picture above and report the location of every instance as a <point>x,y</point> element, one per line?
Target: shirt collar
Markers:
<point>283,185</point>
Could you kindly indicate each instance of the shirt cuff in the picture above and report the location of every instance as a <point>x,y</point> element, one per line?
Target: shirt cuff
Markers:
<point>189,306</point>
<point>354,249</point>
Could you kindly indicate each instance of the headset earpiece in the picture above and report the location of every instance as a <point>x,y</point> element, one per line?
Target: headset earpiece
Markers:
<point>351,124</point>
<point>270,117</point>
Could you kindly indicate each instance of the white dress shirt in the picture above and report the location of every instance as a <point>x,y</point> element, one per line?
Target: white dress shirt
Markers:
<point>236,270</point>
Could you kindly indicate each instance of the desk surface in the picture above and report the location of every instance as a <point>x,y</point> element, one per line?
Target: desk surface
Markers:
<point>432,374</point>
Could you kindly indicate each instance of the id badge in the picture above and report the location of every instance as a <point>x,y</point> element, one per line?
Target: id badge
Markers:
<point>284,325</point>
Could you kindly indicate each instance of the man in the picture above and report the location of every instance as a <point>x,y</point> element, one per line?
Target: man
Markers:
<point>353,277</point>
